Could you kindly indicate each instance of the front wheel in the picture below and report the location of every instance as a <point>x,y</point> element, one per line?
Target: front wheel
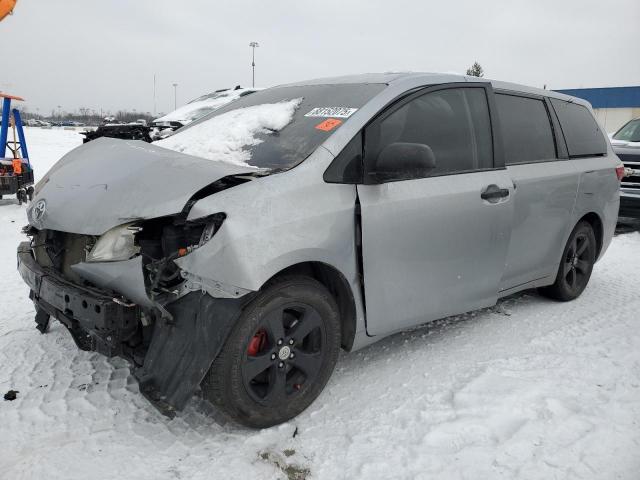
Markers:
<point>576,264</point>
<point>279,356</point>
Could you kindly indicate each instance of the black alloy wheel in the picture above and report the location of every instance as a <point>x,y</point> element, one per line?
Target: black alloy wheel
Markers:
<point>284,354</point>
<point>279,355</point>
<point>577,262</point>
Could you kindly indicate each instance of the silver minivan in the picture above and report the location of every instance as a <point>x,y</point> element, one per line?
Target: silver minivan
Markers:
<point>241,253</point>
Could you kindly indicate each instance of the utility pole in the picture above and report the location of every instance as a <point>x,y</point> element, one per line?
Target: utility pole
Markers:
<point>154,94</point>
<point>253,46</point>
<point>175,96</point>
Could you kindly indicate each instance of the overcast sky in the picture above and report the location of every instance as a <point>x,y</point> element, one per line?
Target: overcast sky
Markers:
<point>103,54</point>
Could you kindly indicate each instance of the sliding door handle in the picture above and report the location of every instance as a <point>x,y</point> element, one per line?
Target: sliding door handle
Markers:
<point>494,193</point>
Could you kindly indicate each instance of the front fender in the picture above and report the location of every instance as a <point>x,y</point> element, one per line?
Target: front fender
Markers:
<point>275,222</point>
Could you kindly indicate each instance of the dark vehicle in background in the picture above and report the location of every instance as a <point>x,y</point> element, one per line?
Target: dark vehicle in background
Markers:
<point>125,131</point>
<point>626,144</point>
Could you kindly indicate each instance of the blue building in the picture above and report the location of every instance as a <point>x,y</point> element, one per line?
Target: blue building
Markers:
<point>614,106</point>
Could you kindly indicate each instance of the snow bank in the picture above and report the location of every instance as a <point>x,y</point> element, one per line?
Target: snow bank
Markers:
<point>227,136</point>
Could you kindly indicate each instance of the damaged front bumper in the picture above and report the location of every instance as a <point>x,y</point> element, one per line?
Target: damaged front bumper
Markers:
<point>171,364</point>
<point>96,321</point>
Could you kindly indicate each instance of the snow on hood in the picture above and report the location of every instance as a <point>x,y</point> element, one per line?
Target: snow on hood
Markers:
<point>200,107</point>
<point>226,137</point>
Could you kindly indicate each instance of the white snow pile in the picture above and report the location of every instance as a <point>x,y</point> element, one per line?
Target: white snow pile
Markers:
<point>227,136</point>
<point>202,106</point>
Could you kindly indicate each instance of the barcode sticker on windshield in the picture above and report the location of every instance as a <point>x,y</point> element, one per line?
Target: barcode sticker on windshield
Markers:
<point>325,112</point>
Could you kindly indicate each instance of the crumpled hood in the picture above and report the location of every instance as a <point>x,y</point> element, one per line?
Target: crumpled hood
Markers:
<point>108,182</point>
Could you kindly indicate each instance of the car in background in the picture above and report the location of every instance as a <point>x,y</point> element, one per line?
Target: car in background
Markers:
<point>626,144</point>
<point>164,126</point>
<point>241,253</point>
<point>116,129</point>
<point>34,122</point>
<point>195,109</point>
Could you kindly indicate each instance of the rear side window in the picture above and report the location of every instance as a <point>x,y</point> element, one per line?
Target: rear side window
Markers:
<point>454,122</point>
<point>580,129</point>
<point>526,129</point>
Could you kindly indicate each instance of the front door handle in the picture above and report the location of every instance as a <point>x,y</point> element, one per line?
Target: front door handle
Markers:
<point>493,193</point>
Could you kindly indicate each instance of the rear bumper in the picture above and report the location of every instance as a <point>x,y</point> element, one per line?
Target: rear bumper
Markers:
<point>95,320</point>
<point>630,203</point>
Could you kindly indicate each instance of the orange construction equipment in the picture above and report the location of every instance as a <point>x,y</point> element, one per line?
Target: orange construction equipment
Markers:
<point>16,174</point>
<point>6,8</point>
<point>17,166</point>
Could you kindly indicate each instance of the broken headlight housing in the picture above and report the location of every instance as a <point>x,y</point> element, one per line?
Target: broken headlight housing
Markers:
<point>164,240</point>
<point>115,245</point>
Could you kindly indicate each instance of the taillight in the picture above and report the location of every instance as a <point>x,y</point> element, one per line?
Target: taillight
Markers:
<point>620,172</point>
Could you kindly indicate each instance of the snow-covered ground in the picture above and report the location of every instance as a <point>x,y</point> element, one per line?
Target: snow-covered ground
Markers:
<point>529,389</point>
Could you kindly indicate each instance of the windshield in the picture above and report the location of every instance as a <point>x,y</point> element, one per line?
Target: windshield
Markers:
<point>630,132</point>
<point>273,129</point>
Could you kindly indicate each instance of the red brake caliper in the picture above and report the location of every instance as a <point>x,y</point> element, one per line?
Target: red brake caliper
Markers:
<point>256,344</point>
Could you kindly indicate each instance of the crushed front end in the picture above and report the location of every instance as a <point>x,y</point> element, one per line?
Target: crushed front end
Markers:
<point>122,294</point>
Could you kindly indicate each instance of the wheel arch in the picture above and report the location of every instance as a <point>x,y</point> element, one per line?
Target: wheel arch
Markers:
<point>339,288</point>
<point>595,221</point>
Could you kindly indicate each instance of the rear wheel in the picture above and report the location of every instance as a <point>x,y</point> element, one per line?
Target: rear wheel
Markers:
<point>279,356</point>
<point>576,265</point>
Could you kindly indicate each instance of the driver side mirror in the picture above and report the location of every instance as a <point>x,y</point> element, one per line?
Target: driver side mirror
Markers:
<point>403,161</point>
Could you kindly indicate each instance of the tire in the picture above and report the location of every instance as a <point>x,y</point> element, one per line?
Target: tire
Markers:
<point>576,265</point>
<point>279,356</point>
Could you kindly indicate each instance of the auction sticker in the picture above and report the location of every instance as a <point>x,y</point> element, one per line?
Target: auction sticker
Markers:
<point>326,112</point>
<point>329,124</point>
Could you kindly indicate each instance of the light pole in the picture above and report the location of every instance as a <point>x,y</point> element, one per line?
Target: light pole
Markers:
<point>253,46</point>
<point>175,96</point>
<point>154,94</point>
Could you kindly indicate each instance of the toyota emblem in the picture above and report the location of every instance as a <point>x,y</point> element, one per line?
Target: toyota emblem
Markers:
<point>38,210</point>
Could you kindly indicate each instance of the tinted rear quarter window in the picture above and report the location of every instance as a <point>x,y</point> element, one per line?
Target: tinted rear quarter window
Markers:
<point>526,130</point>
<point>580,129</point>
